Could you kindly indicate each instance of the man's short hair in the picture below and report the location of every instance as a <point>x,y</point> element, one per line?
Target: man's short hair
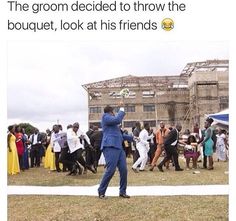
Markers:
<point>108,109</point>
<point>76,125</point>
<point>137,124</point>
<point>146,125</point>
<point>178,125</point>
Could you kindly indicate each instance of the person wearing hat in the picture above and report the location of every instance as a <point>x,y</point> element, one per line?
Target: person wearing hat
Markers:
<point>113,150</point>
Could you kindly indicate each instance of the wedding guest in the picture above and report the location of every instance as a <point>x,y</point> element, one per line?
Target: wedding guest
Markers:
<point>13,166</point>
<point>143,148</point>
<point>20,146</point>
<point>208,142</point>
<point>170,145</point>
<point>160,138</point>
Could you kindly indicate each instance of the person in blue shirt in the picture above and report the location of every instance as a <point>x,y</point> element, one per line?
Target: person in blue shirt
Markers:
<point>113,151</point>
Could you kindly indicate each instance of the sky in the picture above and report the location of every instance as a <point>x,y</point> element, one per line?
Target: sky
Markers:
<point>45,78</point>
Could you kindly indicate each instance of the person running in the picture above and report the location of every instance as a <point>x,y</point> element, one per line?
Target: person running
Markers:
<point>170,145</point>
<point>160,138</point>
<point>76,147</point>
<point>143,148</point>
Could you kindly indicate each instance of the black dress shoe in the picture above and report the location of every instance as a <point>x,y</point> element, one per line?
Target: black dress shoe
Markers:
<point>151,168</point>
<point>124,195</point>
<point>91,169</point>
<point>70,173</point>
<point>179,169</point>
<point>160,168</point>
<point>101,196</point>
<point>135,170</point>
<point>80,170</point>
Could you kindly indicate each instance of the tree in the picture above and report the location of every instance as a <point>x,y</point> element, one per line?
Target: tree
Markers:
<point>29,129</point>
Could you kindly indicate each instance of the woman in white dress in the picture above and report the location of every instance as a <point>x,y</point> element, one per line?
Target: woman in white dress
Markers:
<point>221,145</point>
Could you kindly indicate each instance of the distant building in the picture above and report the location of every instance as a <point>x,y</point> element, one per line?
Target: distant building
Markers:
<point>208,83</point>
<point>201,88</point>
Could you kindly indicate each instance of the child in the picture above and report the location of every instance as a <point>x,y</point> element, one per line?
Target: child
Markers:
<point>191,151</point>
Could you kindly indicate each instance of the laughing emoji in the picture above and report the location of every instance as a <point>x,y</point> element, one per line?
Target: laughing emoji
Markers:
<point>167,24</point>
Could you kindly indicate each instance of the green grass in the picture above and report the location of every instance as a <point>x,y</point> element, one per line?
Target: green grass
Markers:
<point>158,208</point>
<point>44,177</point>
<point>73,208</point>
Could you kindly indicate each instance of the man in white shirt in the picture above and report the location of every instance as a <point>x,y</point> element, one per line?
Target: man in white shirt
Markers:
<point>75,142</point>
<point>143,148</point>
<point>36,143</point>
<point>56,137</point>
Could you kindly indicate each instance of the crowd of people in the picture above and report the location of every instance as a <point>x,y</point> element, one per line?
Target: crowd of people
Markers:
<point>72,151</point>
<point>76,152</point>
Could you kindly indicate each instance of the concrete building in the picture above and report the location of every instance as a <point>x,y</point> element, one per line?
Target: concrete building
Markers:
<point>208,83</point>
<point>201,88</point>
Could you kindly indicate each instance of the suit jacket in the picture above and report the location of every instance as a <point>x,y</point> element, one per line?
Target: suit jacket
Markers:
<point>171,137</point>
<point>112,136</point>
<point>39,138</point>
<point>96,139</point>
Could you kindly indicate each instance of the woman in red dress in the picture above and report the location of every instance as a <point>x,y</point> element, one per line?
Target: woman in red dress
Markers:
<point>19,146</point>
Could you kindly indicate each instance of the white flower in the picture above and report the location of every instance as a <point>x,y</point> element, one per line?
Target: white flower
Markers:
<point>124,92</point>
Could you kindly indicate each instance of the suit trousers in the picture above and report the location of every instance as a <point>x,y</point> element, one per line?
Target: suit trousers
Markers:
<point>57,155</point>
<point>35,155</point>
<point>114,157</point>
<point>65,159</point>
<point>171,151</point>
<point>135,155</point>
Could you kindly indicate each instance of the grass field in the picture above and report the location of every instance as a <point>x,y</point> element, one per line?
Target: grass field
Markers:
<point>158,208</point>
<point>65,208</point>
<point>44,177</point>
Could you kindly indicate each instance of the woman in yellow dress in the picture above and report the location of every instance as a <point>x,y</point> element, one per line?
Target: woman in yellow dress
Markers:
<point>49,161</point>
<point>13,166</point>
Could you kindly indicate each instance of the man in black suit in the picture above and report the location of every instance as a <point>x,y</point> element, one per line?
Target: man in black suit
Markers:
<point>96,141</point>
<point>36,144</point>
<point>170,145</point>
<point>89,153</point>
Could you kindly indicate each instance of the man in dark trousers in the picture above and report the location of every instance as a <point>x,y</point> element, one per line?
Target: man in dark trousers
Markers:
<point>89,152</point>
<point>136,133</point>
<point>96,141</point>
<point>170,145</point>
<point>36,143</point>
<point>113,151</point>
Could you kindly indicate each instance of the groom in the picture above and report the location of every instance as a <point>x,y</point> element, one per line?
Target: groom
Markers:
<point>113,151</point>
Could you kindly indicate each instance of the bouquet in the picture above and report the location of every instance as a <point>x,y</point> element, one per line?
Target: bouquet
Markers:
<point>124,92</point>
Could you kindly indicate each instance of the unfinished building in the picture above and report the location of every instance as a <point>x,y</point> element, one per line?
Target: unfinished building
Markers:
<point>208,83</point>
<point>201,88</point>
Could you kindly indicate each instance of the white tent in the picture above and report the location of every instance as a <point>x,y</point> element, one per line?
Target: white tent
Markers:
<point>221,118</point>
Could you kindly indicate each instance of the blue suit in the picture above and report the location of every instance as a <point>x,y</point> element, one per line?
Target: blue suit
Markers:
<point>113,151</point>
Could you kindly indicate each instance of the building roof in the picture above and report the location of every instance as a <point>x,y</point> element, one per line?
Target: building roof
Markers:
<point>205,66</point>
<point>136,81</point>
